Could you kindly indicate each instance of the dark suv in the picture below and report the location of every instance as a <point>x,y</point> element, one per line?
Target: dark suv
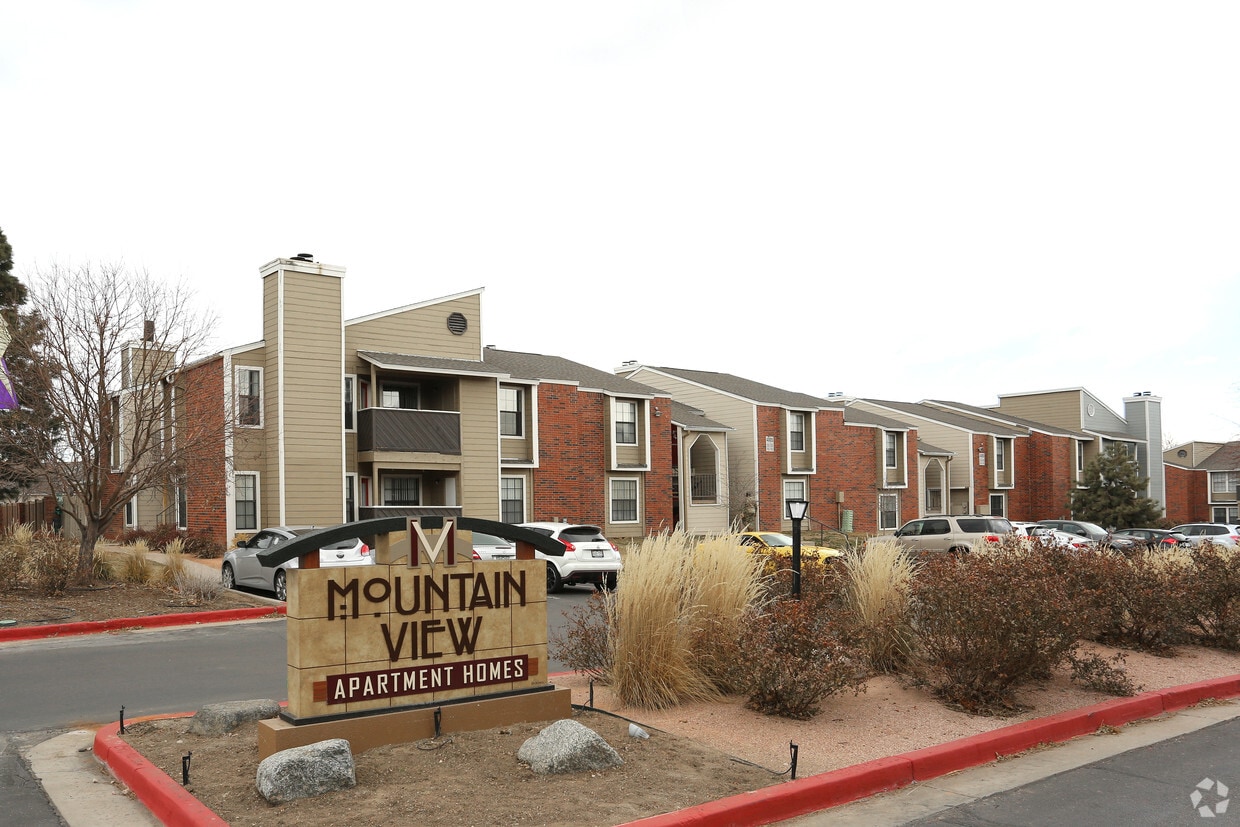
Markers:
<point>952,533</point>
<point>1095,534</point>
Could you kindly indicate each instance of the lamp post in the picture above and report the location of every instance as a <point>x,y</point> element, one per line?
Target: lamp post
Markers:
<point>796,513</point>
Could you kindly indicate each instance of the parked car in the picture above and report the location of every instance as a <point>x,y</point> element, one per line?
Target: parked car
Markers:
<point>1094,533</point>
<point>1027,529</point>
<point>588,557</point>
<point>1152,538</point>
<point>1047,536</point>
<point>776,543</point>
<point>952,533</point>
<point>1226,534</point>
<point>490,547</point>
<point>242,568</point>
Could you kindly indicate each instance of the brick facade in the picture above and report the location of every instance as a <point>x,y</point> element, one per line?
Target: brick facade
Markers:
<point>202,392</point>
<point>1188,495</point>
<point>570,482</point>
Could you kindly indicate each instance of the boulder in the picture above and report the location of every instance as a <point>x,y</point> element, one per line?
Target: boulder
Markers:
<point>568,746</point>
<point>303,772</point>
<point>219,719</point>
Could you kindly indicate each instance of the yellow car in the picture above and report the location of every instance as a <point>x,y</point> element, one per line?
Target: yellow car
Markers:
<point>775,543</point>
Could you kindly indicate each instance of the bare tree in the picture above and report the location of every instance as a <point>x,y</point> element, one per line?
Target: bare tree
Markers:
<point>110,364</point>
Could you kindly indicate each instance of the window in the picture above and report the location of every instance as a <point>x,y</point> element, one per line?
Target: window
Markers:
<point>401,490</point>
<point>512,499</point>
<point>1224,482</point>
<point>131,513</point>
<point>793,490</point>
<point>114,446</point>
<point>350,500</point>
<point>250,397</point>
<point>626,423</point>
<point>245,498</point>
<point>1226,514</point>
<point>348,403</point>
<point>892,452</point>
<point>888,511</point>
<point>510,412</point>
<point>182,508</point>
<point>934,487</point>
<point>399,396</point>
<point>1080,457</point>
<point>998,505</point>
<point>796,431</point>
<point>1000,454</point>
<point>624,500</point>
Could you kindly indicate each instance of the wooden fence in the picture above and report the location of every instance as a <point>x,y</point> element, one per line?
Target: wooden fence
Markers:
<point>38,511</point>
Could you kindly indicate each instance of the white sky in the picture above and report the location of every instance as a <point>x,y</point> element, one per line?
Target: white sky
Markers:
<point>900,200</point>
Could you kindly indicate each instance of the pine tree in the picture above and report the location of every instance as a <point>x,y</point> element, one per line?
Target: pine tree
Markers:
<point>12,291</point>
<point>1111,494</point>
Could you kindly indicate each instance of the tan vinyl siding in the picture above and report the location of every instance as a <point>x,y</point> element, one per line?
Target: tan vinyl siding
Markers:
<point>478,487</point>
<point>799,462</point>
<point>422,330</point>
<point>631,456</point>
<point>1061,408</point>
<point>311,422</point>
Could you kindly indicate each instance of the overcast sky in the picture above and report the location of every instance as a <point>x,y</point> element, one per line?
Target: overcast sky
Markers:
<point>898,200</point>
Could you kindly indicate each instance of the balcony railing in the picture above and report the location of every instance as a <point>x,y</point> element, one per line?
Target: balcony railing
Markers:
<point>704,488</point>
<point>399,429</point>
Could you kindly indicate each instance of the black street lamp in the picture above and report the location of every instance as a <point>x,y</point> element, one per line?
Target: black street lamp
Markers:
<point>796,513</point>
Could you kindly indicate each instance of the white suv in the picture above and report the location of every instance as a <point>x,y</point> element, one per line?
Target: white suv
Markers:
<point>950,533</point>
<point>1223,534</point>
<point>588,557</point>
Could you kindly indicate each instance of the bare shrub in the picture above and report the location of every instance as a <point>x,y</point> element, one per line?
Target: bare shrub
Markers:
<point>1093,671</point>
<point>986,623</point>
<point>51,563</point>
<point>878,579</point>
<point>194,588</point>
<point>173,570</point>
<point>1143,599</point>
<point>585,646</point>
<point>794,657</point>
<point>1214,595</point>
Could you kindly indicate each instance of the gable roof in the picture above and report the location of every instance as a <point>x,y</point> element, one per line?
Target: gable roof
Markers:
<point>1226,458</point>
<point>1000,416</point>
<point>428,364</point>
<point>537,367</point>
<point>860,416</point>
<point>747,389</point>
<point>952,419</point>
<point>691,418</point>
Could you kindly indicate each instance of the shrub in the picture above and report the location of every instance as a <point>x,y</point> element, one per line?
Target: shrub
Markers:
<point>196,589</point>
<point>1214,595</point>
<point>1095,672</point>
<point>133,566</point>
<point>986,623</point>
<point>14,548</point>
<point>51,563</point>
<point>586,645</point>
<point>794,657</point>
<point>1143,599</point>
<point>877,578</point>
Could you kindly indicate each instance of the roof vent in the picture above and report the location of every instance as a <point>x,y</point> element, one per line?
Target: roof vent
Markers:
<point>457,323</point>
<point>304,257</point>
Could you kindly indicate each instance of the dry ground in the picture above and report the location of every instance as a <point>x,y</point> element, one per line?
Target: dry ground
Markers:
<point>696,753</point>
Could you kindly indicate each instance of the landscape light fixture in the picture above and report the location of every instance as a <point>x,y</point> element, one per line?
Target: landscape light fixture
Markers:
<point>797,510</point>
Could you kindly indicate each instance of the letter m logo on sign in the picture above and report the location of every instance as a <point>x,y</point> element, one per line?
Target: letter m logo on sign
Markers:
<point>422,548</point>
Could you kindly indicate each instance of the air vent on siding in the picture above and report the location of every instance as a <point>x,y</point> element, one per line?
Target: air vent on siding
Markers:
<point>457,323</point>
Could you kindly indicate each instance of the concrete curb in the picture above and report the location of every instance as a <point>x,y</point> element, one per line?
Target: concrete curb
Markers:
<point>87,627</point>
<point>175,806</point>
<point>818,792</point>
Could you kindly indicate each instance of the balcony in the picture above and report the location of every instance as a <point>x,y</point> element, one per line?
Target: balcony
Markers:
<point>400,429</point>
<point>704,488</point>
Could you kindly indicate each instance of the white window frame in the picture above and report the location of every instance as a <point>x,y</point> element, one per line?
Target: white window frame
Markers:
<point>623,406</point>
<point>1229,514</point>
<point>350,403</point>
<point>793,489</point>
<point>131,512</point>
<point>795,419</point>
<point>895,512</point>
<point>510,479</point>
<point>383,489</point>
<point>1000,455</point>
<point>238,383</point>
<point>351,487</point>
<point>182,505</point>
<point>1229,479</point>
<point>400,387</point>
<point>891,450</point>
<point>258,521</point>
<point>520,411</point>
<point>930,508</point>
<point>1002,500</point>
<point>637,500</point>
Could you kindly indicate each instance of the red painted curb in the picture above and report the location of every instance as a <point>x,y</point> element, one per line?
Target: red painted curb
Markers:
<point>818,792</point>
<point>88,627</point>
<point>167,800</point>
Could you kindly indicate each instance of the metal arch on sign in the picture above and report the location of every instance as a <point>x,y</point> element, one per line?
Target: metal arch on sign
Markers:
<point>311,542</point>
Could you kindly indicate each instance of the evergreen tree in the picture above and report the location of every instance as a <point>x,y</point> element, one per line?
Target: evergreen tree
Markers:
<point>12,291</point>
<point>1111,494</point>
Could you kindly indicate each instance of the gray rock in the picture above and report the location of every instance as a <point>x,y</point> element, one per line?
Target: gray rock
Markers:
<point>303,772</point>
<point>567,746</point>
<point>219,719</point>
